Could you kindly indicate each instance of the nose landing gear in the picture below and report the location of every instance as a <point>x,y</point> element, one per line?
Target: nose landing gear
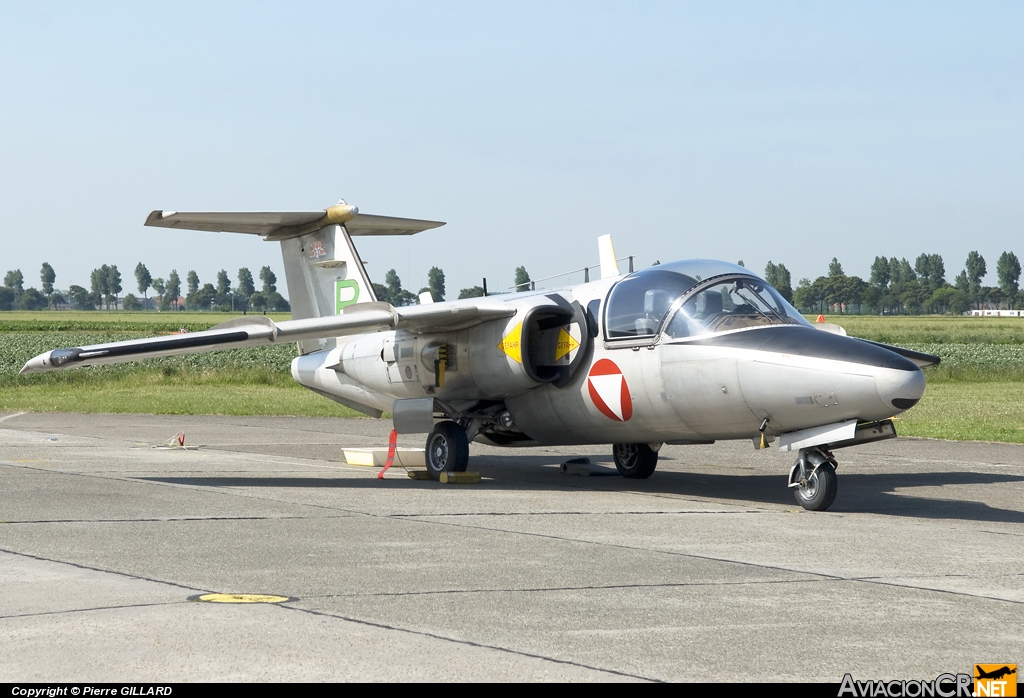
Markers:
<point>813,478</point>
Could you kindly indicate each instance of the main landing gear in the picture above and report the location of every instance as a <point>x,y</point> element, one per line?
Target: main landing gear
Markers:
<point>635,461</point>
<point>447,449</point>
<point>813,478</point>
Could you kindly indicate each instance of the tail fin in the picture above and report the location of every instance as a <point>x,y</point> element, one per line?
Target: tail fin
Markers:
<point>321,266</point>
<point>324,273</point>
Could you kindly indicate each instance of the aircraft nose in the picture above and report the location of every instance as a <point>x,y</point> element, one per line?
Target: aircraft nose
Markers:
<point>899,382</point>
<point>900,389</point>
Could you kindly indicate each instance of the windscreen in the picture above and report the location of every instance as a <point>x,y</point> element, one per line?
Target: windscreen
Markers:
<point>731,304</point>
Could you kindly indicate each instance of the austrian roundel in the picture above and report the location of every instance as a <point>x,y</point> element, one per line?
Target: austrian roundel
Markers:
<point>609,391</point>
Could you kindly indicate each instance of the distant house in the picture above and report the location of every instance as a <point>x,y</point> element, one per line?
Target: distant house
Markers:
<point>988,312</point>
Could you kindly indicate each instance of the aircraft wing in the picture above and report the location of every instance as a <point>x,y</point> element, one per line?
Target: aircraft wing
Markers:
<point>281,225</point>
<point>257,330</point>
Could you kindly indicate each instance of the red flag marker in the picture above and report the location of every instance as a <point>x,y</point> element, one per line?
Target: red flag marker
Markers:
<point>392,445</point>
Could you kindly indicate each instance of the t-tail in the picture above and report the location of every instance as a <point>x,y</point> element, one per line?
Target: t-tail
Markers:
<point>322,268</point>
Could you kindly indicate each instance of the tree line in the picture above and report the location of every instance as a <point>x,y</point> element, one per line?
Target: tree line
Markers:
<point>895,287</point>
<point>392,292</point>
<point>105,287</point>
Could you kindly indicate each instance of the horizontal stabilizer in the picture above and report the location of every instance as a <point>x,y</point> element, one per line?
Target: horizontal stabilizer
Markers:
<point>282,225</point>
<point>365,224</point>
<point>261,331</point>
<point>224,222</point>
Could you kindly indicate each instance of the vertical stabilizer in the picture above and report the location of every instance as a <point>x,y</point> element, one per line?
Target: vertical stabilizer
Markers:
<point>324,275</point>
<point>321,266</point>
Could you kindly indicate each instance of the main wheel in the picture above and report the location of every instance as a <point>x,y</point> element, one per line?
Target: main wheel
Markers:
<point>635,461</point>
<point>447,449</point>
<point>819,490</point>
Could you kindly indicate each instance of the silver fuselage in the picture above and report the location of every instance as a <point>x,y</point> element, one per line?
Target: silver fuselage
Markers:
<point>656,389</point>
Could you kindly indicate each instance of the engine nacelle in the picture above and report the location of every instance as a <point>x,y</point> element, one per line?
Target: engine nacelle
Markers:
<point>543,343</point>
<point>319,372</point>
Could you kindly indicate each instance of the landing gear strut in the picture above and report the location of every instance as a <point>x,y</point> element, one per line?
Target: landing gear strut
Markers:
<point>635,461</point>
<point>447,449</point>
<point>813,479</point>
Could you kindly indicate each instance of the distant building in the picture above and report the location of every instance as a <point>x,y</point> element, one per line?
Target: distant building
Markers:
<point>997,313</point>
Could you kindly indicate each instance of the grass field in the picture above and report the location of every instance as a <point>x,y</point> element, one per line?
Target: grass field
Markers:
<point>990,411</point>
<point>80,320</point>
<point>932,329</point>
<point>239,381</point>
<point>975,394</point>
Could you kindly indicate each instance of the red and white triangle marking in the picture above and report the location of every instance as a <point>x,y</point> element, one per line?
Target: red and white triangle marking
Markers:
<point>608,390</point>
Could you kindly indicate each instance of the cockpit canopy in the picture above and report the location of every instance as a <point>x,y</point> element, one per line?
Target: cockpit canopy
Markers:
<point>686,299</point>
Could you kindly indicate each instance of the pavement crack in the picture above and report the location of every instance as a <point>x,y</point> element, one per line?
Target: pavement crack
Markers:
<point>948,592</point>
<point>469,643</point>
<point>172,519</point>
<point>743,563</point>
<point>999,533</point>
<point>590,587</point>
<point>92,568</point>
<point>93,608</point>
<point>572,513</point>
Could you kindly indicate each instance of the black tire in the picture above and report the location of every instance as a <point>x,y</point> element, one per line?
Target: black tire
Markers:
<point>635,461</point>
<point>820,490</point>
<point>447,449</point>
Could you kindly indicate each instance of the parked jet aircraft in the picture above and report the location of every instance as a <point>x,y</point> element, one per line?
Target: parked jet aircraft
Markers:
<point>688,352</point>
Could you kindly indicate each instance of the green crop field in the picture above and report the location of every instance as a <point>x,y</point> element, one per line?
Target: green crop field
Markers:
<point>238,381</point>
<point>975,393</point>
<point>932,329</point>
<point>147,323</point>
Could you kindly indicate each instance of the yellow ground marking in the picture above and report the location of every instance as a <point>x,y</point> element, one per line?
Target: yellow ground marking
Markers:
<point>565,344</point>
<point>242,598</point>
<point>510,345</point>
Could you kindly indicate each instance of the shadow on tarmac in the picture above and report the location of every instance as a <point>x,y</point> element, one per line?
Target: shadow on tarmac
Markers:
<point>858,493</point>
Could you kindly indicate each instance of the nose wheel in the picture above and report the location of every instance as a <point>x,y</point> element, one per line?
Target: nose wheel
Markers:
<point>814,480</point>
<point>447,449</point>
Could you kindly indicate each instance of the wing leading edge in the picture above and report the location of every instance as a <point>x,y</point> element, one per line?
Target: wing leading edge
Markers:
<point>262,331</point>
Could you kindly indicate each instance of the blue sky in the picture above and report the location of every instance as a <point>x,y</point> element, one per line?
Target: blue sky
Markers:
<point>790,131</point>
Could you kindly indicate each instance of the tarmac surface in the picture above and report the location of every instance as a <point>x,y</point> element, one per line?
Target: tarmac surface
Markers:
<point>707,571</point>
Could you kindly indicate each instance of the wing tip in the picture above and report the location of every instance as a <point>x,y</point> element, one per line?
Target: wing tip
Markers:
<point>158,218</point>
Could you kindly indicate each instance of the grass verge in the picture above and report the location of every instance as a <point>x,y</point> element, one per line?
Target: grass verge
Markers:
<point>967,412</point>
<point>154,392</point>
<point>119,321</point>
